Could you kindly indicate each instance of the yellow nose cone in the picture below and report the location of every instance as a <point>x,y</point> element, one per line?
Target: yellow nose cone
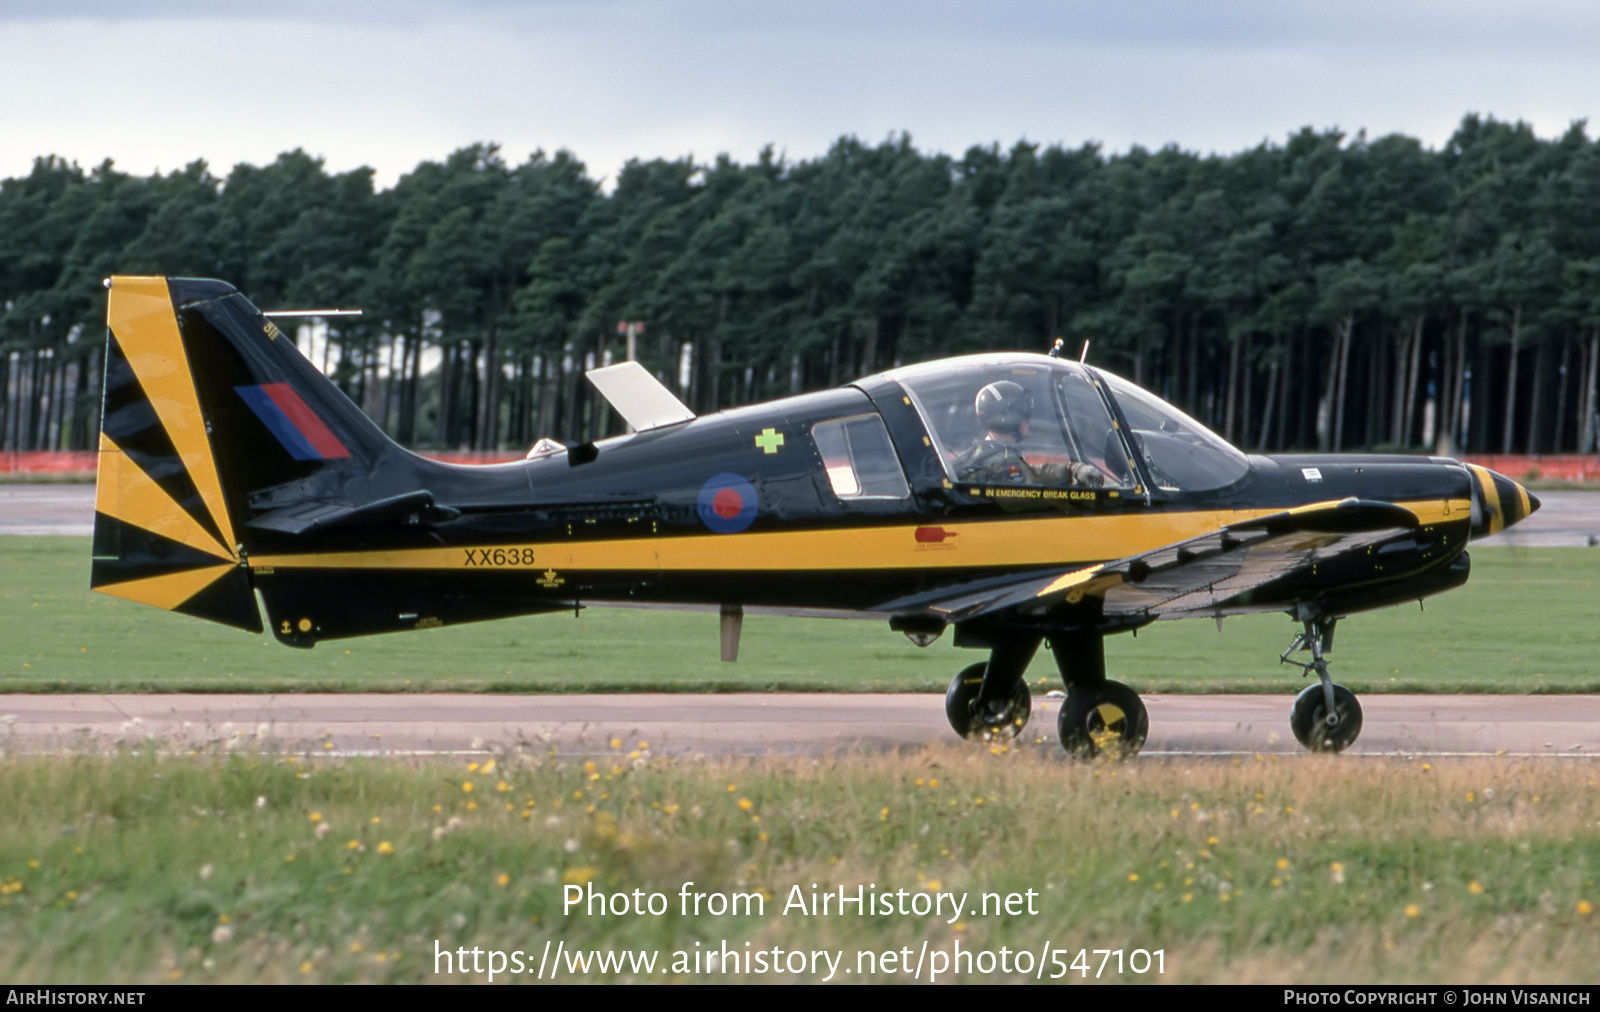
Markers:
<point>1497,502</point>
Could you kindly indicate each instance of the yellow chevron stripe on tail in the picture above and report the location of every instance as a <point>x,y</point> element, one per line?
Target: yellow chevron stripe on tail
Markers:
<point>163,535</point>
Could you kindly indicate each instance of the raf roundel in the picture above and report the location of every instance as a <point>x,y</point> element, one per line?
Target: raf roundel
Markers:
<point>728,503</point>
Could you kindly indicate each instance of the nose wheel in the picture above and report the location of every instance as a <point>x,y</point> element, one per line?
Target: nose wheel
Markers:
<point>1321,729</point>
<point>1103,720</point>
<point>1326,717</point>
<point>1004,716</point>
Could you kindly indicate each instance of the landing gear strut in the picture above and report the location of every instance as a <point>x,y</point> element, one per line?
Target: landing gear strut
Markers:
<point>1326,717</point>
<point>1099,718</point>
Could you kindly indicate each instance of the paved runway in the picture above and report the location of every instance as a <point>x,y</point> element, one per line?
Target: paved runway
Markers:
<point>1565,519</point>
<point>755,724</point>
<point>47,509</point>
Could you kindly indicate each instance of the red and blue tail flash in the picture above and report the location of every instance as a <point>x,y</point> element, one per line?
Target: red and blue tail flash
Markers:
<point>297,427</point>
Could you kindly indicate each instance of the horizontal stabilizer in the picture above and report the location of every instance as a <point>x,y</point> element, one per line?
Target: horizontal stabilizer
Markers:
<point>317,515</point>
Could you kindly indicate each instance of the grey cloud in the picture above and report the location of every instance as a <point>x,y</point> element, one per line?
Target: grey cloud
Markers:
<point>389,84</point>
<point>1219,25</point>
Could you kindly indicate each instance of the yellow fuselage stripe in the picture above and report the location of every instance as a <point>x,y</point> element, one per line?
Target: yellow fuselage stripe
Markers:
<point>1038,541</point>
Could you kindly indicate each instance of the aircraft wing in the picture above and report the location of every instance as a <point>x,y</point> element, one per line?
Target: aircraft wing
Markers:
<point>1214,573</point>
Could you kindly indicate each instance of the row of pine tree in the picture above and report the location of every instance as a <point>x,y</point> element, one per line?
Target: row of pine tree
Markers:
<point>1329,292</point>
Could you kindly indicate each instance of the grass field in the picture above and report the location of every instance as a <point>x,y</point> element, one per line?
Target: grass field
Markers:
<point>149,866</point>
<point>1525,623</point>
<point>143,868</point>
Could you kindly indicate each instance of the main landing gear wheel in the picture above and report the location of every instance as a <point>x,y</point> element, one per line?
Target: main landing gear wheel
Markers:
<point>1311,725</point>
<point>1102,720</point>
<point>1007,717</point>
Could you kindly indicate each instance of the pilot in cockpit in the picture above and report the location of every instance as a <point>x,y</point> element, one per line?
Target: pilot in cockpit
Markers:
<point>1005,412</point>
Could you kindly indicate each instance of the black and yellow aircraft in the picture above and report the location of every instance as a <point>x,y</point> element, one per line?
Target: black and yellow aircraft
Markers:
<point>1018,499</point>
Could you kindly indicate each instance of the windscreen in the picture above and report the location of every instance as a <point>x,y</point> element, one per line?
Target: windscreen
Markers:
<point>1018,420</point>
<point>1182,454</point>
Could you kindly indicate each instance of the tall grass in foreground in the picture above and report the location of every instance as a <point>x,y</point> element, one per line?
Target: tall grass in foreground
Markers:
<point>151,868</point>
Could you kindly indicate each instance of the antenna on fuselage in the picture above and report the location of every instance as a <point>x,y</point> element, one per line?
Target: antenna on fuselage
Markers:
<point>1059,348</point>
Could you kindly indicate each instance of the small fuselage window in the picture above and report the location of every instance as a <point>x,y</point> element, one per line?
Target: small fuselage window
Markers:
<point>859,459</point>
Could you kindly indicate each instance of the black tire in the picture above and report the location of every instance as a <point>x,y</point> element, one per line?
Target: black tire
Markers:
<point>1310,726</point>
<point>964,689</point>
<point>958,698</point>
<point>1105,720</point>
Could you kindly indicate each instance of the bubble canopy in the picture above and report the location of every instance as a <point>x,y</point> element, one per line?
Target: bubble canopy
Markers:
<point>1055,426</point>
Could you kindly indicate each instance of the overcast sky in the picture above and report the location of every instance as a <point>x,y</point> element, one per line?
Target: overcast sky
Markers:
<point>389,83</point>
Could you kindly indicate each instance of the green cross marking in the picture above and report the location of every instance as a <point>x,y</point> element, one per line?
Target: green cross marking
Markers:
<point>769,440</point>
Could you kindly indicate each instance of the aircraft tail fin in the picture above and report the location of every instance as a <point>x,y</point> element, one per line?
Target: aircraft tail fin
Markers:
<point>209,410</point>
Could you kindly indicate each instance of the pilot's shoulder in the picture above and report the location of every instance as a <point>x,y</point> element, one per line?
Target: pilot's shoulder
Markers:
<point>975,454</point>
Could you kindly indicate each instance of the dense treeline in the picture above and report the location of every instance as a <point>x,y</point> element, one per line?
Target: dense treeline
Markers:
<point>1328,292</point>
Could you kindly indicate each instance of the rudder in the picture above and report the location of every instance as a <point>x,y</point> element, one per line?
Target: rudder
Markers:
<point>207,408</point>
